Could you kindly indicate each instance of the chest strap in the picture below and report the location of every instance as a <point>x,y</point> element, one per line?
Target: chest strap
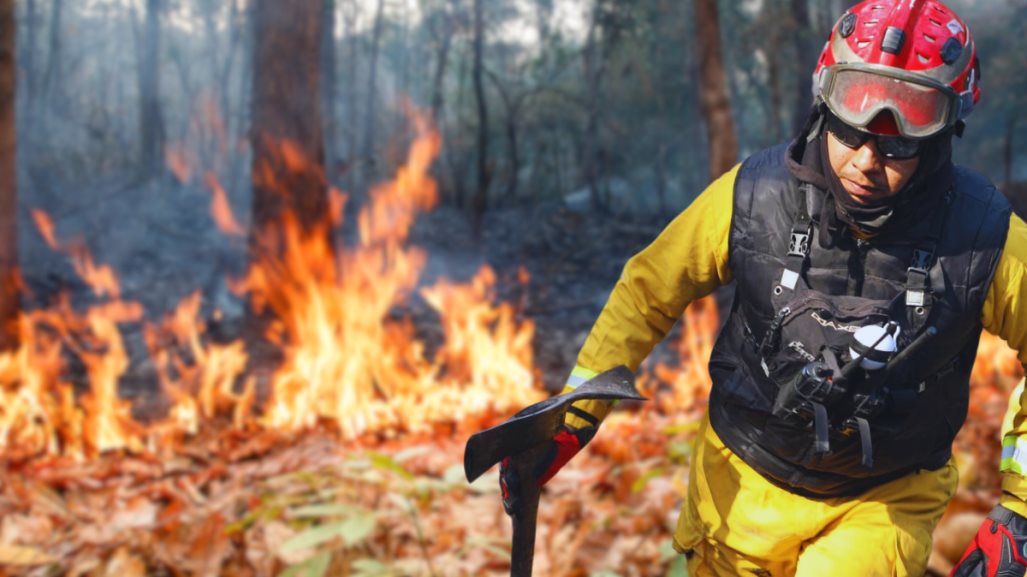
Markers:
<point>798,243</point>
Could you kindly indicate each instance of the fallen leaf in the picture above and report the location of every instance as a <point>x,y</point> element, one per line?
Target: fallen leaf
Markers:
<point>124,564</point>
<point>23,556</point>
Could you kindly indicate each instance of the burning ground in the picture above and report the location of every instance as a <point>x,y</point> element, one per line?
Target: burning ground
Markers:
<point>142,434</point>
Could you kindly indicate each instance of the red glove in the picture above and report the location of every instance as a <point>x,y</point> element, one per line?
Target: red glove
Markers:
<point>565,444</point>
<point>998,549</point>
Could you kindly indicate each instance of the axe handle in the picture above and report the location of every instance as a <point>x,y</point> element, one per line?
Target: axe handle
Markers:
<point>522,554</point>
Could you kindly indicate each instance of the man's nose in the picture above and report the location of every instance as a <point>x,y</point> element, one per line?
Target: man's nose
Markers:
<point>867,158</point>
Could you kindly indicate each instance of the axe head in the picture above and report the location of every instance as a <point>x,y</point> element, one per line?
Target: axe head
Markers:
<point>536,424</point>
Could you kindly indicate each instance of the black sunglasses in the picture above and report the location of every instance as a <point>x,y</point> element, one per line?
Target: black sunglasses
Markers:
<point>891,147</point>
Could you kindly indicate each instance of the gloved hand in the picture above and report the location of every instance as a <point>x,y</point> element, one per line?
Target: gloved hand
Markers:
<point>998,549</point>
<point>565,444</point>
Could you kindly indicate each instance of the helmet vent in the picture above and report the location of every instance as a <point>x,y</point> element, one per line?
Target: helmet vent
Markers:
<point>862,43</point>
<point>924,59</point>
<point>930,38</point>
<point>893,40</point>
<point>935,22</point>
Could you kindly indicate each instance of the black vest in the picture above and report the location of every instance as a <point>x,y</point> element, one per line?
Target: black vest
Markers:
<point>927,396</point>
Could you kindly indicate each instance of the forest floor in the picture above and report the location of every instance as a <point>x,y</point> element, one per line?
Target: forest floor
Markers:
<point>260,502</point>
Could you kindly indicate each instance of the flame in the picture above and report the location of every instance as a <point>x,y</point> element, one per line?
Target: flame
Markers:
<point>346,357</point>
<point>685,384</point>
<point>349,355</point>
<point>220,209</point>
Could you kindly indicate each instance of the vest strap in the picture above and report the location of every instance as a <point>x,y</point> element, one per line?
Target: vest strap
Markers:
<point>798,244</point>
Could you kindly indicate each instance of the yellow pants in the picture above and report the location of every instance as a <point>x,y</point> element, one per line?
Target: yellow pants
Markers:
<point>735,522</point>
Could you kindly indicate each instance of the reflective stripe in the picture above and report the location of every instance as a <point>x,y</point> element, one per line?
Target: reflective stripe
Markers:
<point>579,375</point>
<point>595,408</point>
<point>1014,455</point>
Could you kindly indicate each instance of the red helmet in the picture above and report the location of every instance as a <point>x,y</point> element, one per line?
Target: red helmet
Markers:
<point>912,58</point>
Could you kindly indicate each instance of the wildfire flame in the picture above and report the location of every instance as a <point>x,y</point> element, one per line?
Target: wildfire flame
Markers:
<point>347,358</point>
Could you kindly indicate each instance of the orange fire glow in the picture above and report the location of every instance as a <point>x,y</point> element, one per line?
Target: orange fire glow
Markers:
<point>347,358</point>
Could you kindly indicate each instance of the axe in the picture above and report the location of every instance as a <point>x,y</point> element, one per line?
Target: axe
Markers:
<point>525,438</point>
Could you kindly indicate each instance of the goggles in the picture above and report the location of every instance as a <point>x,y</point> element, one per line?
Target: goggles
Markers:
<point>857,94</point>
<point>890,147</point>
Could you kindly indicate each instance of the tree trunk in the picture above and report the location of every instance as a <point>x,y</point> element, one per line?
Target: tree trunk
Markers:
<point>596,53</point>
<point>329,87</point>
<point>444,40</point>
<point>773,52</point>
<point>286,111</point>
<point>53,77</point>
<point>480,202</point>
<point>808,47</point>
<point>350,14</point>
<point>151,124</point>
<point>512,114</point>
<point>31,83</point>
<point>512,105</point>
<point>714,98</point>
<point>372,81</point>
<point>10,294</point>
<point>234,36</point>
<point>457,161</point>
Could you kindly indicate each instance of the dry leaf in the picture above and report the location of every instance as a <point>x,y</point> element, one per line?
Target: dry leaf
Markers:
<point>139,513</point>
<point>124,564</point>
<point>23,556</point>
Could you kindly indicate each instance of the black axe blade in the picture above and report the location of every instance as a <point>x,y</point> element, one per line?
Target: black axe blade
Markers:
<point>536,424</point>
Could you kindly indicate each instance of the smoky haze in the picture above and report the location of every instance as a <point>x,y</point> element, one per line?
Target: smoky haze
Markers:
<point>125,107</point>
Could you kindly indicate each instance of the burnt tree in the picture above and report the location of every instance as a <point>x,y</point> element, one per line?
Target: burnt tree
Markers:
<point>286,113</point>
<point>714,97</point>
<point>151,123</point>
<point>53,77</point>
<point>10,303</point>
<point>480,202</point>
<point>372,96</point>
<point>329,88</point>
<point>807,45</point>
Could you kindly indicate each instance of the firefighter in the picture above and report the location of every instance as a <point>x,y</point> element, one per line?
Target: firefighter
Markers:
<point>865,265</point>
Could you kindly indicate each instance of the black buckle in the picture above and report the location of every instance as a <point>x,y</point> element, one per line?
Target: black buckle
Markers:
<point>917,275</point>
<point>799,244</point>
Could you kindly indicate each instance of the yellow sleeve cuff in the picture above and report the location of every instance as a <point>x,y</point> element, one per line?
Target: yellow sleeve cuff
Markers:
<point>596,408</point>
<point>1014,491</point>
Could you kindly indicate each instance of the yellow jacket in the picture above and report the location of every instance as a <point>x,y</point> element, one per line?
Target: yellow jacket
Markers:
<point>689,259</point>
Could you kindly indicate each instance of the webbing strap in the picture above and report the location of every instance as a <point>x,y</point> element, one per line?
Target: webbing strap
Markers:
<point>821,442</point>
<point>865,442</point>
<point>798,243</point>
<point>918,286</point>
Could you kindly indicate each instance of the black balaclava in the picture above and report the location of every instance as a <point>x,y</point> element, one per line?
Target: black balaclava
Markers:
<point>807,161</point>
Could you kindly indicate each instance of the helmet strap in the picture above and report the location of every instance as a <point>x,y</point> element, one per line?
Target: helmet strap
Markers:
<point>958,129</point>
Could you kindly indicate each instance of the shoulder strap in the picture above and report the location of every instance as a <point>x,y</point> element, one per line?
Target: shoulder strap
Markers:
<point>918,287</point>
<point>799,242</point>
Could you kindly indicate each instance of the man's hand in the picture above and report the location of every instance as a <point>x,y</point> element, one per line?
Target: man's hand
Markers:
<point>998,549</point>
<point>565,444</point>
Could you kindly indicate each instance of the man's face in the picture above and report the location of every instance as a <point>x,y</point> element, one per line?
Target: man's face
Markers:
<point>865,173</point>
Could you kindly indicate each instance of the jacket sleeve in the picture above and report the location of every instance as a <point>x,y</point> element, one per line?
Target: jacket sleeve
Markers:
<point>687,261</point>
<point>1005,315</point>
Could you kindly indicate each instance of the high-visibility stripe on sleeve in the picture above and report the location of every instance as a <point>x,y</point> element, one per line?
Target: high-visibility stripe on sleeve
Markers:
<point>596,410</point>
<point>578,376</point>
<point>1014,455</point>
